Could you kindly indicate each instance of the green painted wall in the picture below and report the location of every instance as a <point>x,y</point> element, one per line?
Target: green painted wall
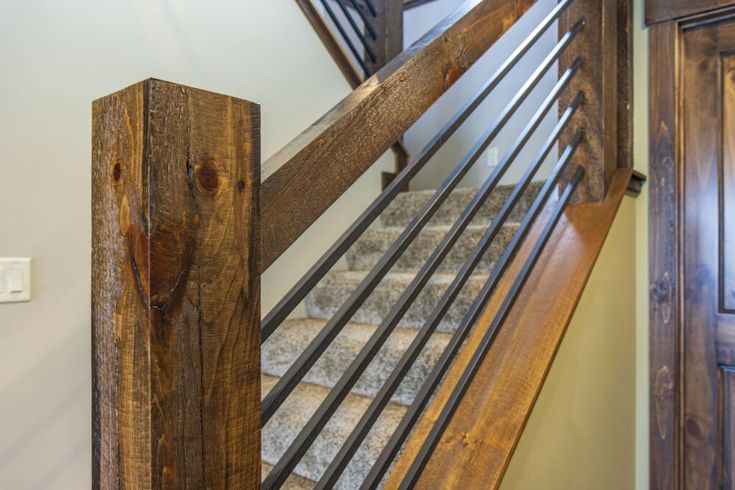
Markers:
<point>581,434</point>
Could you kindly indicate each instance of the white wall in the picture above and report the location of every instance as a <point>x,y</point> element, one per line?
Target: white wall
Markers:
<point>56,56</point>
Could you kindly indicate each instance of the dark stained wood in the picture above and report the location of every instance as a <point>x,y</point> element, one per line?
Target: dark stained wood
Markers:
<point>388,24</point>
<point>707,69</point>
<point>664,10</point>
<point>665,326</point>
<point>727,199</point>
<point>625,84</point>
<point>597,44</point>
<point>175,289</point>
<point>728,427</point>
<point>478,443</point>
<point>351,74</point>
<point>321,163</point>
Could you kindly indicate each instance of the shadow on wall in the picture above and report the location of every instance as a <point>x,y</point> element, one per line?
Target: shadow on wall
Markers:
<point>48,403</point>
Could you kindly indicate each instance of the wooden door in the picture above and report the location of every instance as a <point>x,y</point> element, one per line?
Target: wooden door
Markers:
<point>707,135</point>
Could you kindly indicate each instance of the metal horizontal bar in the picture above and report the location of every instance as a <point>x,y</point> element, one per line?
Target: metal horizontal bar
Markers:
<point>296,294</point>
<point>382,464</point>
<point>340,462</point>
<point>346,38</point>
<point>313,351</point>
<point>414,472</point>
<point>368,25</point>
<point>356,28</point>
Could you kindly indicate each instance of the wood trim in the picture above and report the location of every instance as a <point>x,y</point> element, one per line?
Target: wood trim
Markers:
<point>175,289</point>
<point>665,294</point>
<point>480,439</point>
<point>667,10</point>
<point>320,164</point>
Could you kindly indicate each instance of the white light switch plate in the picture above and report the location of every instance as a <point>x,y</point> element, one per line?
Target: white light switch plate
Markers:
<point>15,280</point>
<point>493,157</point>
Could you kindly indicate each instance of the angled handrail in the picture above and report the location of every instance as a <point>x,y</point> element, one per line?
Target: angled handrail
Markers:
<point>321,163</point>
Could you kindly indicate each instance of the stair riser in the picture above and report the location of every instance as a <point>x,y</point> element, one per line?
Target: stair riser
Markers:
<point>329,295</point>
<point>375,242</point>
<point>281,430</point>
<point>286,344</point>
<point>405,207</point>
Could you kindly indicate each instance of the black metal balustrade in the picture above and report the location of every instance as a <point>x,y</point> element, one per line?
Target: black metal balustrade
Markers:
<point>350,306</point>
<point>366,19</point>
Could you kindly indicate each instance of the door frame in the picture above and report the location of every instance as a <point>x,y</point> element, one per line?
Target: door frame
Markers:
<point>667,20</point>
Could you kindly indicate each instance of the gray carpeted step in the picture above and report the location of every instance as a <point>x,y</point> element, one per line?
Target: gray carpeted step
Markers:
<point>280,431</point>
<point>291,338</point>
<point>334,289</point>
<point>294,482</point>
<point>368,250</point>
<point>405,206</point>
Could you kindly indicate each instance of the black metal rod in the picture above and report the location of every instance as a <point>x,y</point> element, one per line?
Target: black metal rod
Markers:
<point>327,408</point>
<point>297,293</point>
<point>414,472</point>
<point>384,460</point>
<point>365,44</point>
<point>365,20</point>
<point>348,449</point>
<point>371,8</point>
<point>346,38</point>
<point>313,351</point>
<point>352,374</point>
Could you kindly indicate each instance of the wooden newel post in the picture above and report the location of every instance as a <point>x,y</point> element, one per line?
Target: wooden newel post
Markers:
<point>605,83</point>
<point>175,289</point>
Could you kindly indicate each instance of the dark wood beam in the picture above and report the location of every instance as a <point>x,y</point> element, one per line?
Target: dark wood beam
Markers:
<point>663,10</point>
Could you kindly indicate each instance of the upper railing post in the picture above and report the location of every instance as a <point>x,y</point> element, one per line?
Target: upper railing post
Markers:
<point>388,25</point>
<point>175,289</point>
<point>605,85</point>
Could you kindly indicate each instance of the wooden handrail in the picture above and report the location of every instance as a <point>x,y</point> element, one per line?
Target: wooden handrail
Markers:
<point>342,60</point>
<point>320,164</point>
<point>493,413</point>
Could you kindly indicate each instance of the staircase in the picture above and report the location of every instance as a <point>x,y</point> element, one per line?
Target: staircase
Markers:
<point>294,335</point>
<point>431,322</point>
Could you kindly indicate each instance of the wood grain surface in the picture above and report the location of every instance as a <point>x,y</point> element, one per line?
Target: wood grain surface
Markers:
<point>176,289</point>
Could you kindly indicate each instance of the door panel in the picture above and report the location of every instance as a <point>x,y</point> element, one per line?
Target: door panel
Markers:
<point>708,136</point>
<point>727,195</point>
